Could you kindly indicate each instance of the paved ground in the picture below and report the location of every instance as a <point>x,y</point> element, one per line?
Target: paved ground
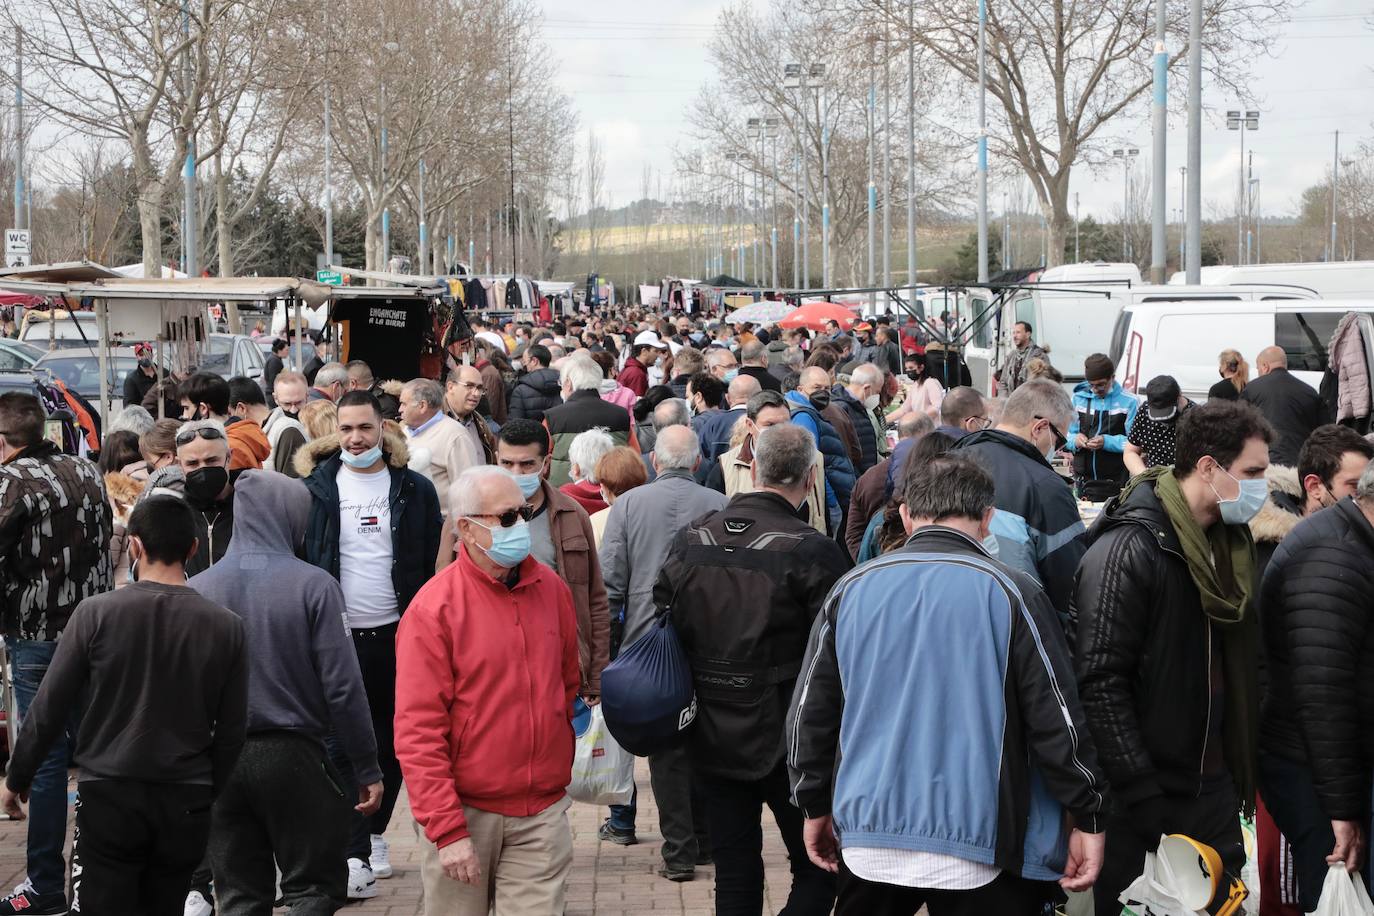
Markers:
<point>607,880</point>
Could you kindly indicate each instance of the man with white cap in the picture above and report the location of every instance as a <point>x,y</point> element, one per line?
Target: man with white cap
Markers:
<point>644,354</point>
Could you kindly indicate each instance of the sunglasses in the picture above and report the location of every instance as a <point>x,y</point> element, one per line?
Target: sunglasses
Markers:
<point>204,432</point>
<point>1060,440</point>
<point>509,517</point>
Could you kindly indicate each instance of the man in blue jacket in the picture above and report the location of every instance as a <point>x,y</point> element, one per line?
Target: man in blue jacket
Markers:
<point>1102,416</point>
<point>997,727</point>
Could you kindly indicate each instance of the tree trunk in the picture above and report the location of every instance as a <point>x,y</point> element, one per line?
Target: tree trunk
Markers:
<point>150,227</point>
<point>224,232</point>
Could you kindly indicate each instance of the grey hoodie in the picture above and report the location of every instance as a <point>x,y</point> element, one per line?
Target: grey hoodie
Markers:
<point>302,669</point>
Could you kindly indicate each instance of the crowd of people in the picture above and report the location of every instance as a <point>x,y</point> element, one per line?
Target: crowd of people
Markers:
<point>251,626</point>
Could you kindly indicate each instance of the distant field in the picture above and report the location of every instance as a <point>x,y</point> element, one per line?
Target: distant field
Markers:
<point>627,258</point>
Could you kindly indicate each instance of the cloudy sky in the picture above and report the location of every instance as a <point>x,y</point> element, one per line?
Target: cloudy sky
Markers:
<point>633,68</point>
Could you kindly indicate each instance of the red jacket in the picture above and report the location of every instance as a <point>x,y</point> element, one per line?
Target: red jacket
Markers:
<point>485,681</point>
<point>634,377</point>
<point>586,494</point>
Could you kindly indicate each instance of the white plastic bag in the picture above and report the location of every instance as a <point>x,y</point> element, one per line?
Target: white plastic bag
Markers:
<point>1343,894</point>
<point>603,773</point>
<point>1154,891</point>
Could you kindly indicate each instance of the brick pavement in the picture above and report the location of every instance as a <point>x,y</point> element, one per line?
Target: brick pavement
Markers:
<point>607,880</point>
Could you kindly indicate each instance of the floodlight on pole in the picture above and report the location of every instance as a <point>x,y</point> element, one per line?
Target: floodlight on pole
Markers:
<point>1126,156</point>
<point>1241,122</point>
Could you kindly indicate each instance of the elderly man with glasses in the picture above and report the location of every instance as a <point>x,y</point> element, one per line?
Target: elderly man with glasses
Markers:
<point>487,787</point>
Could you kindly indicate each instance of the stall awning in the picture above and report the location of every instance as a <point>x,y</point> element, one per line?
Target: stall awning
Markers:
<point>204,289</point>
<point>65,272</point>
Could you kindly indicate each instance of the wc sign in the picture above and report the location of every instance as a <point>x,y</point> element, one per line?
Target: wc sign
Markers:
<point>17,247</point>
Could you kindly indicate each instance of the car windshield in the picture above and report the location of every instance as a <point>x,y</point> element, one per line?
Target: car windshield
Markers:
<point>216,355</point>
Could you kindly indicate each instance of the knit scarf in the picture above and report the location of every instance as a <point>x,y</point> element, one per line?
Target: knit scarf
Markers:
<point>1221,561</point>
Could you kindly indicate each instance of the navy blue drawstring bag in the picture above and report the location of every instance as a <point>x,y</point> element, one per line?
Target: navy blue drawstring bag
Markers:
<point>647,694</point>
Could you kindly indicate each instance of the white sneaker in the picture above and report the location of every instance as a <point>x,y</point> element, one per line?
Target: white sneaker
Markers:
<point>381,857</point>
<point>197,905</point>
<point>361,883</point>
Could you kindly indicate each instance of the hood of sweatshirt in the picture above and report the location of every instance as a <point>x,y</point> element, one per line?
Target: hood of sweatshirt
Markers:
<point>270,513</point>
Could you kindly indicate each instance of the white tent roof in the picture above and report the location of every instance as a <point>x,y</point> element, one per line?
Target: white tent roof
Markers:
<point>136,271</point>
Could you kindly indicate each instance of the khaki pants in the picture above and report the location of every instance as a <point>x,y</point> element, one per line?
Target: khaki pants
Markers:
<point>525,863</point>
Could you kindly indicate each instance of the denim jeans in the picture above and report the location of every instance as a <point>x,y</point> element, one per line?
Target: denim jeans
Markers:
<point>29,660</point>
<point>623,816</point>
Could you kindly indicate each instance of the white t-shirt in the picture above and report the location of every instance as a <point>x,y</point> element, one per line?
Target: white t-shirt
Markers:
<point>365,548</point>
<point>912,868</point>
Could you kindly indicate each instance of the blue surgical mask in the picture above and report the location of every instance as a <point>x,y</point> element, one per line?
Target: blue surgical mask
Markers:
<point>528,483</point>
<point>509,546</point>
<point>730,375</point>
<point>990,545</point>
<point>366,460</point>
<point>1247,502</point>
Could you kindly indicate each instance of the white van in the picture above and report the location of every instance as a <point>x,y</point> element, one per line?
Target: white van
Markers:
<point>1184,338</point>
<point>1333,280</point>
<point>1073,322</point>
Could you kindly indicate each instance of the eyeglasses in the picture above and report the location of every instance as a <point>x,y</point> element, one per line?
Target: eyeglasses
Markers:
<point>1060,440</point>
<point>982,422</point>
<point>507,518</point>
<point>205,432</point>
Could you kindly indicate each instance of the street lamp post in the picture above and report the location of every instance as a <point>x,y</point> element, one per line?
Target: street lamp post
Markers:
<point>1075,227</point>
<point>1237,121</point>
<point>806,79</point>
<point>1335,179</point>
<point>19,222</point>
<point>771,130</point>
<point>982,143</point>
<point>911,149</point>
<point>1126,156</point>
<point>1182,215</point>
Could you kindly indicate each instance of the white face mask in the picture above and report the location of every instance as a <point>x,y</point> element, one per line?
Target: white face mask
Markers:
<point>870,402</point>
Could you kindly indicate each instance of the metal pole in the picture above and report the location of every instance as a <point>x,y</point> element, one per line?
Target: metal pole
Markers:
<point>1240,202</point>
<point>1194,233</point>
<point>386,210</point>
<point>328,184</point>
<point>188,170</point>
<point>796,223</point>
<point>1182,214</point>
<point>872,186</point>
<point>1125,204</point>
<point>774,138</point>
<point>887,155</point>
<point>911,149</point>
<point>19,222</point>
<point>424,227</point>
<point>825,186</point>
<point>806,184</point>
<point>1249,188</point>
<point>1006,234</point>
<point>758,205</point>
<point>1158,241</point>
<point>983,142</point>
<point>1335,179</point>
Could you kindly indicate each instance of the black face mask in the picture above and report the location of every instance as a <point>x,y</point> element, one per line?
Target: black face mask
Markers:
<point>291,414</point>
<point>203,485</point>
<point>821,399</point>
<point>913,374</point>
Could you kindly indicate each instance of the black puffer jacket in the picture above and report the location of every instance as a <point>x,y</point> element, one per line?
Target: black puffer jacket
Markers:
<point>1320,641</point>
<point>1143,652</point>
<point>532,394</point>
<point>863,427</point>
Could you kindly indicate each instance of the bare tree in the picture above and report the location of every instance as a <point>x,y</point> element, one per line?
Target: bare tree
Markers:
<point>596,187</point>
<point>1060,73</point>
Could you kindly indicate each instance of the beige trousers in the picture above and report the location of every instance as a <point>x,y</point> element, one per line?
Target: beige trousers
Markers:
<point>525,863</point>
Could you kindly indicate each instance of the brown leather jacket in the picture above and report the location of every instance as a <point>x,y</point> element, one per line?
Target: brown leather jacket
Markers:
<point>578,566</point>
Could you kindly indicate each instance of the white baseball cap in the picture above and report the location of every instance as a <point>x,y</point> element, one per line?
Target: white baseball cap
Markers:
<point>650,339</point>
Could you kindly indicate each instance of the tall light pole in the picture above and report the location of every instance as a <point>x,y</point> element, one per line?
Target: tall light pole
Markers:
<point>328,182</point>
<point>983,142</point>
<point>19,222</point>
<point>1239,122</point>
<point>887,156</point>
<point>754,131</point>
<point>808,78</point>
<point>1160,111</point>
<point>817,78</point>
<point>1182,215</point>
<point>1252,238</point>
<point>1194,244</point>
<point>1335,180</point>
<point>424,226</point>
<point>911,150</point>
<point>188,168</point>
<point>872,185</point>
<point>771,127</point>
<point>1127,156</point>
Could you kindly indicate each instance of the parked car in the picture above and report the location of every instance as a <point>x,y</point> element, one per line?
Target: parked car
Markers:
<point>71,329</point>
<point>232,354</point>
<point>79,370</point>
<point>16,356</point>
<point>1184,338</point>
